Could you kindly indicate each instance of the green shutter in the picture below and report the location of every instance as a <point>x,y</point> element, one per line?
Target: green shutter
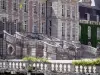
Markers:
<point>94,35</point>
<point>84,34</point>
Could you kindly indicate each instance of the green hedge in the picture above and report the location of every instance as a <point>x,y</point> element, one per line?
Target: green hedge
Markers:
<point>87,62</point>
<point>35,59</point>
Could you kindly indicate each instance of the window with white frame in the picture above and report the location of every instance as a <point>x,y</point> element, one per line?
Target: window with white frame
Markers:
<point>89,32</point>
<point>98,33</point>
<point>80,31</point>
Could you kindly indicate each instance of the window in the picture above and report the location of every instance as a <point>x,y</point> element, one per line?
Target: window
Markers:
<point>73,12</point>
<point>49,9</point>
<point>68,30</point>
<point>68,36</point>
<point>50,27</point>
<point>68,27</point>
<point>43,8</point>
<point>15,23</point>
<point>68,12</point>
<point>26,6</point>
<point>35,27</point>
<point>63,10</point>
<point>63,29</point>
<point>98,33</point>
<point>50,23</point>
<point>42,27</point>
<point>73,31</point>
<point>35,10</point>
<point>80,31</point>
<point>73,37</point>
<point>15,5</point>
<point>50,31</point>
<point>35,7</point>
<point>3,4</point>
<point>4,19</point>
<point>89,32</point>
<point>25,26</point>
<point>4,22</point>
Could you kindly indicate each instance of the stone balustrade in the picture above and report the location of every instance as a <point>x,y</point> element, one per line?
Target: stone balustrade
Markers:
<point>56,67</point>
<point>89,22</point>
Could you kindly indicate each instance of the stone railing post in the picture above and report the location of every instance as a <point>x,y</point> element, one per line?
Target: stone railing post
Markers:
<point>27,64</point>
<point>6,64</point>
<point>98,69</point>
<point>49,66</point>
<point>72,69</point>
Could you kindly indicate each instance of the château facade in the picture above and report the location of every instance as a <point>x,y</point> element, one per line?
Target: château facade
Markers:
<point>41,28</point>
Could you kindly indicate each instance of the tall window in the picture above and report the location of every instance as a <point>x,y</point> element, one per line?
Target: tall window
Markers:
<point>35,7</point>
<point>4,22</point>
<point>35,27</point>
<point>63,10</point>
<point>25,24</point>
<point>68,11</point>
<point>26,6</point>
<point>68,30</point>
<point>98,33</point>
<point>42,27</point>
<point>15,23</point>
<point>15,5</point>
<point>43,8</point>
<point>3,4</point>
<point>73,12</point>
<point>50,30</point>
<point>63,29</point>
<point>89,32</point>
<point>49,9</point>
<point>50,23</point>
<point>80,31</point>
<point>73,31</point>
<point>50,27</point>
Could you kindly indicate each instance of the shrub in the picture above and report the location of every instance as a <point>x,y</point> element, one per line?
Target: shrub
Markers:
<point>35,59</point>
<point>88,62</point>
